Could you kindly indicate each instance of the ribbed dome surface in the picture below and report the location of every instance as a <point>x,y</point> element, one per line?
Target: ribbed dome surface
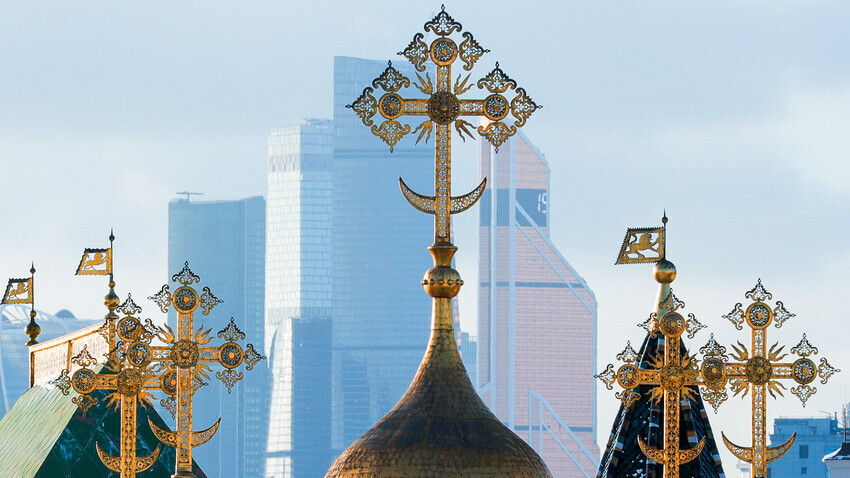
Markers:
<point>440,428</point>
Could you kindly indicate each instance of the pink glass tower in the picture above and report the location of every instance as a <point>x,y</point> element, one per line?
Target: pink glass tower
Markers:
<point>537,316</point>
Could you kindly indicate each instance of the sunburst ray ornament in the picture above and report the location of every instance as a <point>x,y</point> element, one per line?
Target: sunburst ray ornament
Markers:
<point>757,371</point>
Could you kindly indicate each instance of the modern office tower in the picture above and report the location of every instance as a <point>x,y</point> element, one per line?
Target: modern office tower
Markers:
<point>298,299</point>
<point>224,242</point>
<point>378,321</point>
<point>816,437</point>
<point>14,359</point>
<point>536,315</point>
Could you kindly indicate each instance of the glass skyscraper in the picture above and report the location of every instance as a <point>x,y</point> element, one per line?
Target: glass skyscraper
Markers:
<point>224,242</point>
<point>537,316</point>
<point>298,299</point>
<point>380,313</point>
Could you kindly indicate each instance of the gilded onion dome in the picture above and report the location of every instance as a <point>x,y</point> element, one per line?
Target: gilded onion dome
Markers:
<point>440,427</point>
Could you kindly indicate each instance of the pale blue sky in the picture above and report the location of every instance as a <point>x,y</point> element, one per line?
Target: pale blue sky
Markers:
<point>732,114</point>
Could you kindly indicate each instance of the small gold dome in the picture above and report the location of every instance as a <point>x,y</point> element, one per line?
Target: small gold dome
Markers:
<point>440,428</point>
<point>665,272</point>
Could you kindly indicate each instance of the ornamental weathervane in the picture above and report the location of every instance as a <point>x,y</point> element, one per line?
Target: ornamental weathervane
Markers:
<point>443,109</point>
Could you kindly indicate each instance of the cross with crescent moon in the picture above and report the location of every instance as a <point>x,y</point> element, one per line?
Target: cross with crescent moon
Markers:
<point>186,357</point>
<point>443,109</point>
<point>181,364</point>
<point>758,373</point>
<point>672,379</point>
<point>130,385</point>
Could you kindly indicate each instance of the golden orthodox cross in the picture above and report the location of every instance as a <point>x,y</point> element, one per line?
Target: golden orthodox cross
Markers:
<point>180,366</point>
<point>443,109</point>
<point>758,373</point>
<point>672,379</point>
<point>129,383</point>
<point>187,355</point>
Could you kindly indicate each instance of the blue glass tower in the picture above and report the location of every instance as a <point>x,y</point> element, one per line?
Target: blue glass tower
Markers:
<point>378,321</point>
<point>224,242</point>
<point>298,299</point>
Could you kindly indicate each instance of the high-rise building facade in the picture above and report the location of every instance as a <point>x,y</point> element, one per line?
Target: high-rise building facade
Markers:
<point>224,243</point>
<point>816,437</point>
<point>298,299</point>
<point>537,316</point>
<point>380,312</point>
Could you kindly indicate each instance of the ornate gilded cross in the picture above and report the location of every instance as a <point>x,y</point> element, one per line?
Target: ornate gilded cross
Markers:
<point>759,372</point>
<point>187,356</point>
<point>176,369</point>
<point>672,379</point>
<point>128,381</point>
<point>443,108</point>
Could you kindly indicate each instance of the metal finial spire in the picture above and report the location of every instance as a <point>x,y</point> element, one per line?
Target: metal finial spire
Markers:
<point>22,291</point>
<point>32,329</point>
<point>98,261</point>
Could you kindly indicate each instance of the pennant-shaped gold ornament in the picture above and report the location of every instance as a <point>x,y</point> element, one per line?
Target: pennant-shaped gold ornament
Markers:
<point>18,291</point>
<point>96,262</point>
<point>642,245</point>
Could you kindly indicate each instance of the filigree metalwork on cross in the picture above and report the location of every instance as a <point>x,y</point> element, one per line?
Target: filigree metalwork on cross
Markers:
<point>186,357</point>
<point>758,371</point>
<point>129,381</point>
<point>443,110</point>
<point>672,379</point>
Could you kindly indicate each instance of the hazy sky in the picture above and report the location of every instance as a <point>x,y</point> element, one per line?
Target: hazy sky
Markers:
<point>733,115</point>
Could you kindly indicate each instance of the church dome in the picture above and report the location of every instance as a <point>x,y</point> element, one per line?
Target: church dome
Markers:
<point>440,427</point>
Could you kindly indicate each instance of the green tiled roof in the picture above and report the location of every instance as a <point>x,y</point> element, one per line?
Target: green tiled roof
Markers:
<point>29,430</point>
<point>44,435</point>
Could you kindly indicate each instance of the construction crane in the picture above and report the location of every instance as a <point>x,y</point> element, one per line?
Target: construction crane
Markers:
<point>187,193</point>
